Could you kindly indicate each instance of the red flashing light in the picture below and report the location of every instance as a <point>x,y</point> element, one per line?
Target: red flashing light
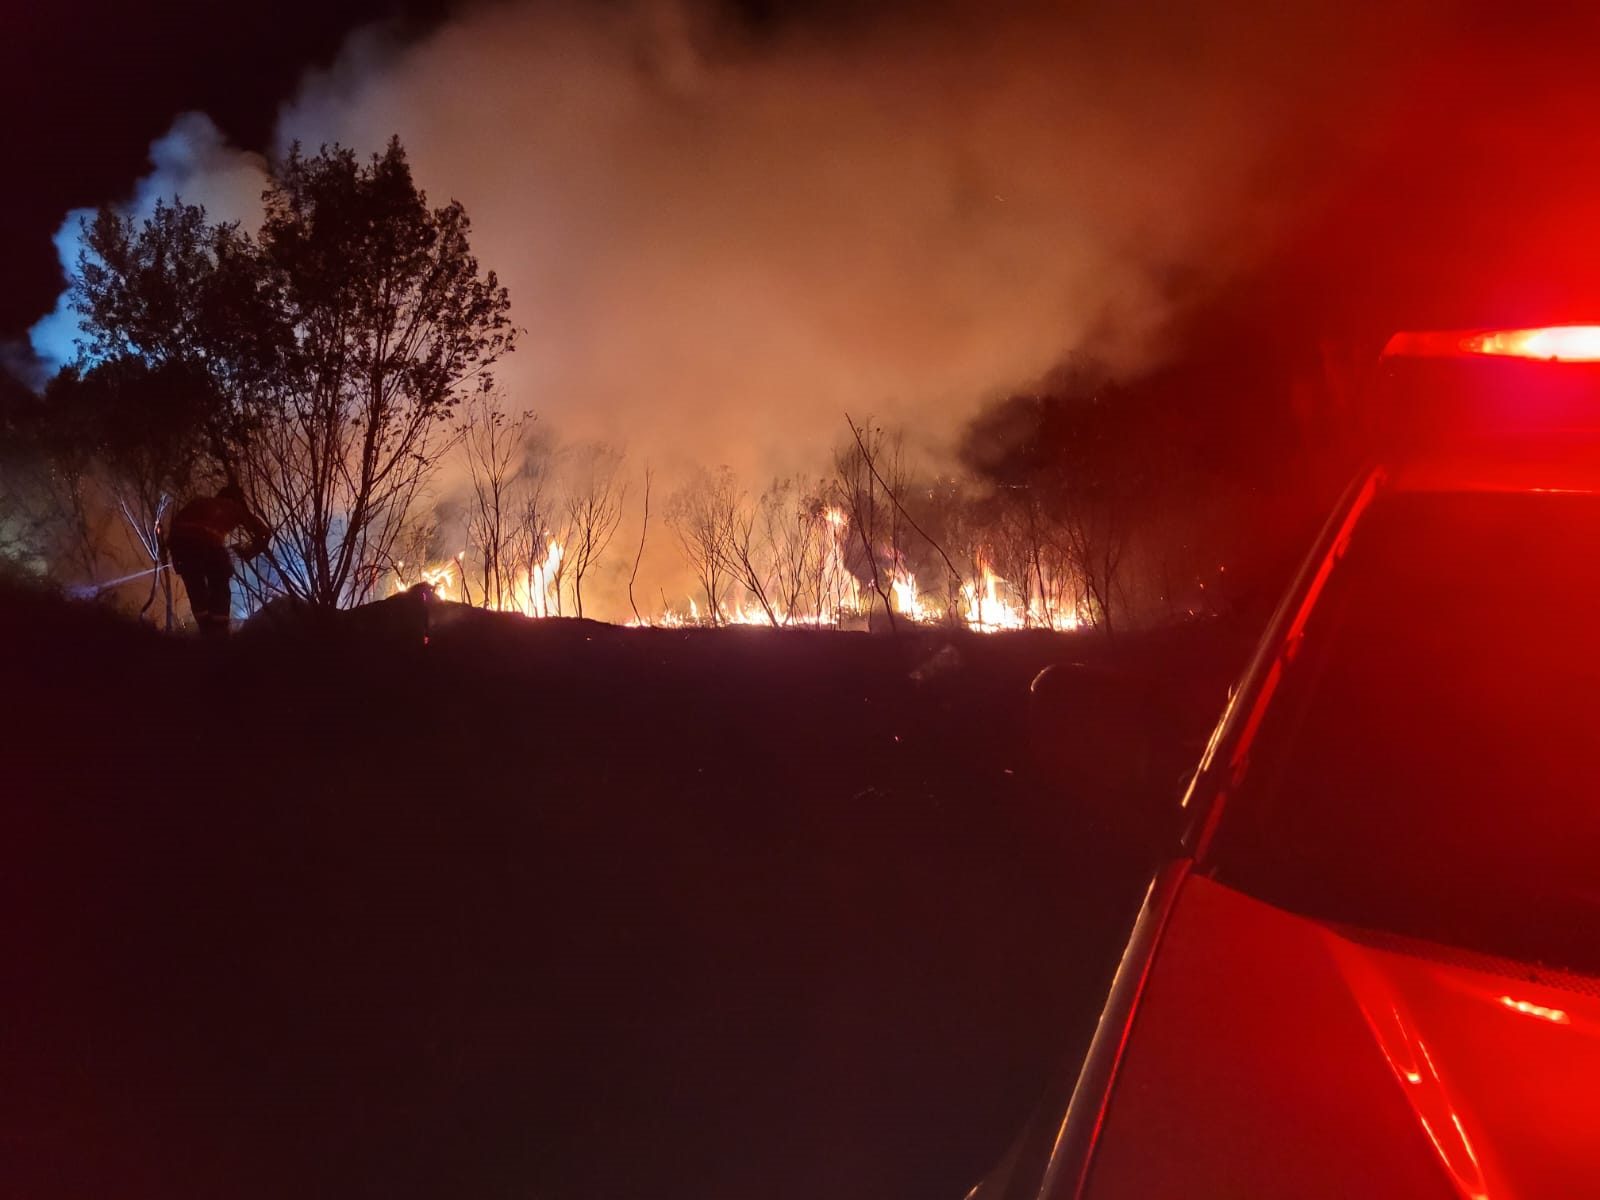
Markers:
<point>1549,343</point>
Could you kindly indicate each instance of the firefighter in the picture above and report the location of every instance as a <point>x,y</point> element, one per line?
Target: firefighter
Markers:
<point>198,545</point>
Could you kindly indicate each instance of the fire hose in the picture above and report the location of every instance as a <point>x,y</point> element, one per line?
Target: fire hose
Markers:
<point>88,591</point>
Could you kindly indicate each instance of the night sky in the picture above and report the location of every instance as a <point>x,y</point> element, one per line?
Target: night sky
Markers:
<point>87,87</point>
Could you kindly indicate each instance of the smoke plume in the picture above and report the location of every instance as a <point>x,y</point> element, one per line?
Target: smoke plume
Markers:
<point>720,237</point>
<point>192,160</point>
<point>719,240</point>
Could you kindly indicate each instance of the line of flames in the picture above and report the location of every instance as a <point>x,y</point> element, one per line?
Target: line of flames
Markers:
<point>987,602</point>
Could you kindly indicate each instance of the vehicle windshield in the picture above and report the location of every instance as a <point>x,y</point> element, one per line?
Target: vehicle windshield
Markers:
<point>1430,763</point>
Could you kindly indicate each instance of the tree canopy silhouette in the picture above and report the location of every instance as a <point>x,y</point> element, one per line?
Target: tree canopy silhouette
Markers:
<point>336,342</point>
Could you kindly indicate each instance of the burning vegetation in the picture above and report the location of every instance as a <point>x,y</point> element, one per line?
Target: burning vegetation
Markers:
<point>863,546</point>
<point>338,366</point>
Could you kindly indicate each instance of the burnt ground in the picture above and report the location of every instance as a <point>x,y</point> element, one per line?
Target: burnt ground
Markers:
<point>543,910</point>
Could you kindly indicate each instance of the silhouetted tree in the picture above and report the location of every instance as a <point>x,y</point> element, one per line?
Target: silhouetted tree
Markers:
<point>146,426</point>
<point>496,448</point>
<point>339,341</point>
<point>390,323</point>
<point>30,526</point>
<point>1081,447</point>
<point>864,471</point>
<point>74,519</point>
<point>644,532</point>
<point>595,491</point>
<point>113,443</point>
<point>177,293</point>
<point>537,545</point>
<point>794,533</point>
<point>703,513</point>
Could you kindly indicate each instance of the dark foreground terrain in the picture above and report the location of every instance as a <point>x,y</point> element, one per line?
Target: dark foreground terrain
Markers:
<point>539,910</point>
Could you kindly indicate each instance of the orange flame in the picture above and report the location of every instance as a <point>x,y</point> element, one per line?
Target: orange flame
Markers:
<point>987,603</point>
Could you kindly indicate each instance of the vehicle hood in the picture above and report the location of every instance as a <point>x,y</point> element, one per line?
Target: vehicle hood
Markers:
<point>1275,1055</point>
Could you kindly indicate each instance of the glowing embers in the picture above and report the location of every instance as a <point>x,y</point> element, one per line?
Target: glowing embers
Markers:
<point>1556,1016</point>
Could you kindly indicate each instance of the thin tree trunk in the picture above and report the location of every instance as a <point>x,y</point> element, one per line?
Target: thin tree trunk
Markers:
<point>639,556</point>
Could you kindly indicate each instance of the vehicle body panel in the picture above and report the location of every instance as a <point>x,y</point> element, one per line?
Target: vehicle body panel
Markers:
<point>1247,1050</point>
<point>1274,1055</point>
<point>1080,1128</point>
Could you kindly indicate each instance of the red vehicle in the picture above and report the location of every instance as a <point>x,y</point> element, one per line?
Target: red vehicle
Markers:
<point>1371,966</point>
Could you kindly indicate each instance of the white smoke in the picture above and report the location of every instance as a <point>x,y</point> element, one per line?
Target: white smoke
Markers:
<point>192,160</point>
<point>717,249</point>
<point>717,246</point>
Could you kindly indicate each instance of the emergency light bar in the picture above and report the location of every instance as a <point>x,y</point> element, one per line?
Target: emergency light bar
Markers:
<point>1439,388</point>
<point>1549,343</point>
